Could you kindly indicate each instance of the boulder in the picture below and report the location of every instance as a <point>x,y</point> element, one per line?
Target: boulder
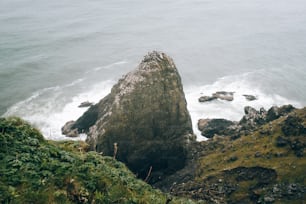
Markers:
<point>293,126</point>
<point>146,115</point>
<point>275,112</point>
<point>211,127</point>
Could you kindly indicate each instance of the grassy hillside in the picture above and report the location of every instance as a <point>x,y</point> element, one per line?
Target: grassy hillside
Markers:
<point>33,170</point>
<point>266,166</point>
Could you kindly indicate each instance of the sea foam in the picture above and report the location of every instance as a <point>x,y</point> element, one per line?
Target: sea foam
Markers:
<point>231,110</point>
<point>49,109</point>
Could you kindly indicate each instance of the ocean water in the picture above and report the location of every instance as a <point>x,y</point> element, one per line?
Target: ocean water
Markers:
<point>56,54</point>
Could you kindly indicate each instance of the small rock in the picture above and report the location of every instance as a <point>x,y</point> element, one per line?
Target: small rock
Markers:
<point>250,97</point>
<point>85,104</point>
<point>269,199</point>
<point>281,142</point>
<point>257,154</point>
<point>276,189</point>
<point>206,98</point>
<point>233,158</point>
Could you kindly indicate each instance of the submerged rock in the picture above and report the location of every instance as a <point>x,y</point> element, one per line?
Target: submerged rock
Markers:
<point>206,98</point>
<point>250,97</point>
<point>85,104</point>
<point>146,115</point>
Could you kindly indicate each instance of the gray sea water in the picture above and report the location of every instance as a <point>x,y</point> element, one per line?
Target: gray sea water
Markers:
<point>56,54</point>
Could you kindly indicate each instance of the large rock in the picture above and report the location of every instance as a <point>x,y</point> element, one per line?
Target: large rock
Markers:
<point>146,115</point>
<point>212,127</point>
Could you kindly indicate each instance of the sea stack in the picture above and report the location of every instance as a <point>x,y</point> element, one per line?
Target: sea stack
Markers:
<point>144,121</point>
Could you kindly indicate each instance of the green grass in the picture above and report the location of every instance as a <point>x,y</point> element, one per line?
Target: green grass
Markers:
<point>258,149</point>
<point>34,170</point>
<point>289,167</point>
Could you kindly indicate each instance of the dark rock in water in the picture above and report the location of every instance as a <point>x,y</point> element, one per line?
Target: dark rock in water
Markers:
<point>85,104</point>
<point>250,97</point>
<point>211,127</point>
<point>224,95</point>
<point>206,98</point>
<point>146,115</point>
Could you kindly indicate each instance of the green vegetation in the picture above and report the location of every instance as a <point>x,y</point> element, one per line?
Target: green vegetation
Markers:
<point>34,170</point>
<point>271,165</point>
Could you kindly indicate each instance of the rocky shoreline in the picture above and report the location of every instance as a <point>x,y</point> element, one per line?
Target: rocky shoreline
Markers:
<point>144,122</point>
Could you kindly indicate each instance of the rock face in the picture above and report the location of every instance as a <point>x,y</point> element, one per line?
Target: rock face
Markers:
<point>146,115</point>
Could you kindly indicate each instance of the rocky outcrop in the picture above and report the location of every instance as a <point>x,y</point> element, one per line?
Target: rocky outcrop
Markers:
<point>265,165</point>
<point>146,115</point>
<point>249,122</point>
<point>69,131</point>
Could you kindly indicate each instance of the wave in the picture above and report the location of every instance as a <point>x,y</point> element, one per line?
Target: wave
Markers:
<point>110,66</point>
<point>231,110</point>
<point>49,109</point>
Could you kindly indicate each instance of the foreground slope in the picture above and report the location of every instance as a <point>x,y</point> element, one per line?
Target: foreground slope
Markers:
<point>266,165</point>
<point>33,170</point>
